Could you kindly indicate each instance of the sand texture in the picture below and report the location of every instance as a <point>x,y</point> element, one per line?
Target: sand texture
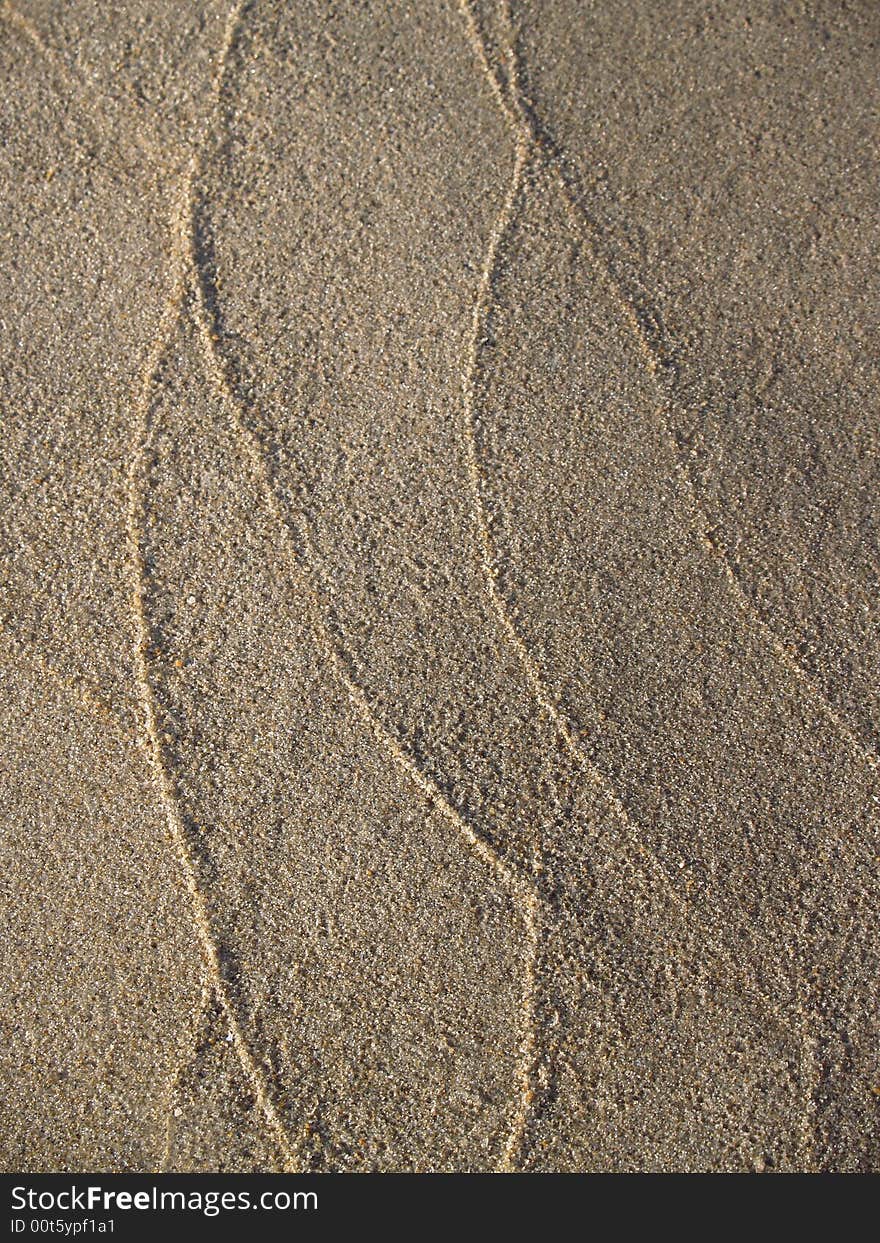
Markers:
<point>439,567</point>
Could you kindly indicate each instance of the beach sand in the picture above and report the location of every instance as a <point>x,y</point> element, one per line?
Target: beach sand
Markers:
<point>439,598</point>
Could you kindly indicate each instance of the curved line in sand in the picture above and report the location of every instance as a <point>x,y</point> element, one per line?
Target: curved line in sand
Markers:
<point>528,145</point>
<point>521,115</point>
<point>525,150</point>
<point>522,889</point>
<point>179,232</point>
<point>174,820</point>
<point>306,565</point>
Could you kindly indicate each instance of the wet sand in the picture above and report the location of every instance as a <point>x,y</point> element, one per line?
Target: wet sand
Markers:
<point>439,598</point>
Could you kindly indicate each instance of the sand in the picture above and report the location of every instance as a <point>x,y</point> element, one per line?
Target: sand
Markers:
<point>438,627</point>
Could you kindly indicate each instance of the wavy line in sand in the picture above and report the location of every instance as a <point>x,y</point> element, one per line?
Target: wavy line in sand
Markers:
<point>306,564</point>
<point>301,551</point>
<point>179,232</point>
<point>529,132</point>
<point>174,820</point>
<point>185,255</point>
<point>525,151</point>
<point>528,145</point>
<point>522,117</point>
